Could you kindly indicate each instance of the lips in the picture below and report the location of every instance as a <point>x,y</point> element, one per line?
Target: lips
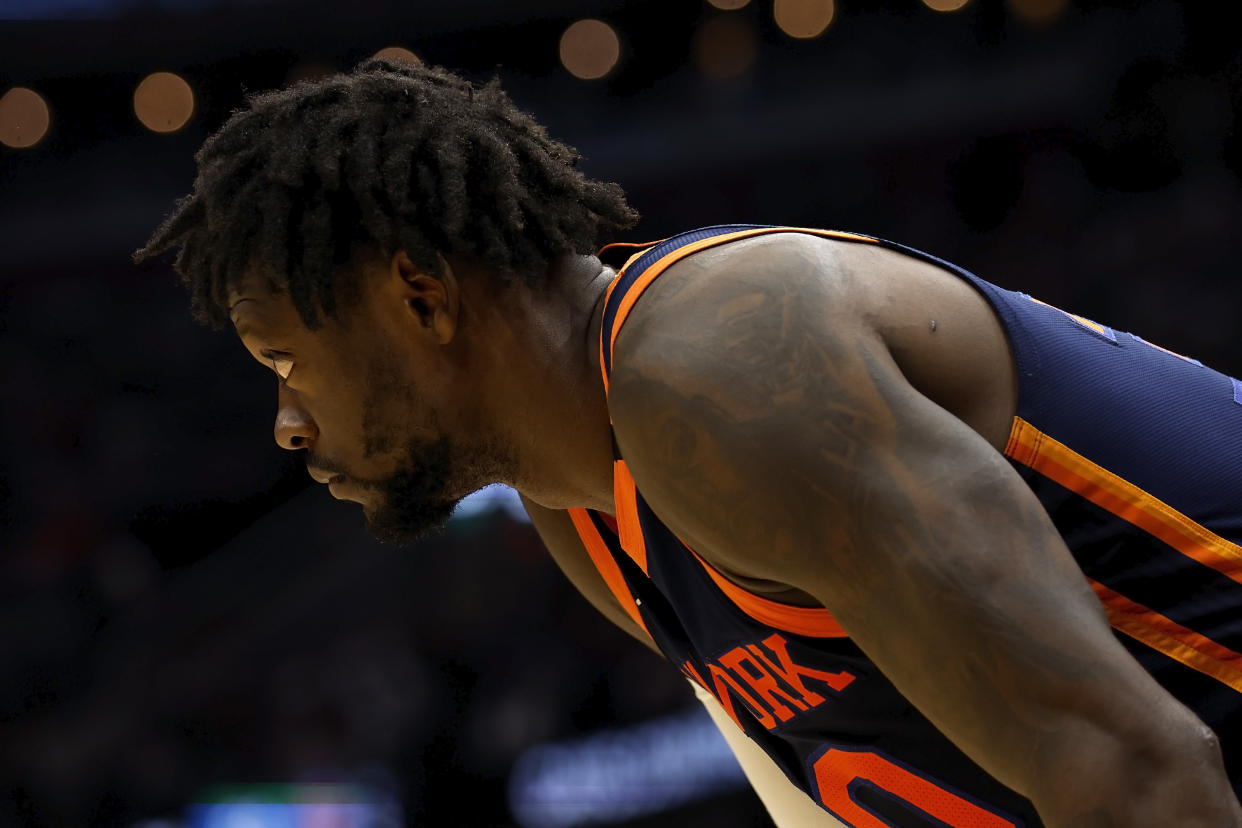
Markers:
<point>322,476</point>
<point>336,485</point>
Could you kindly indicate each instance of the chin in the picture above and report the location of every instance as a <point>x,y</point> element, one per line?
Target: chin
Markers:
<point>408,523</point>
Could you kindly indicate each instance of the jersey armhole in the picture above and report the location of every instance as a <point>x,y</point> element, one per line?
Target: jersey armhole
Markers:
<point>811,622</point>
<point>606,565</point>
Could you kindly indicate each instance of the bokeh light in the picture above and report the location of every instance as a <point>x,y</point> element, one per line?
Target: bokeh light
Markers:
<point>725,47</point>
<point>163,102</point>
<point>398,54</point>
<point>803,19</point>
<point>590,49</point>
<point>1037,12</point>
<point>729,5</point>
<point>24,118</point>
<point>945,5</point>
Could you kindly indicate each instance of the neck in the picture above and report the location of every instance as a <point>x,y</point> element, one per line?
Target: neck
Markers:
<point>554,408</point>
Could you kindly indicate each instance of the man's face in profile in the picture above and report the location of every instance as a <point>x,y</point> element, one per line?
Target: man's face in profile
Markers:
<point>353,395</point>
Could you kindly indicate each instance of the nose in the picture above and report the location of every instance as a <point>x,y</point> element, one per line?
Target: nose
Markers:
<point>294,427</point>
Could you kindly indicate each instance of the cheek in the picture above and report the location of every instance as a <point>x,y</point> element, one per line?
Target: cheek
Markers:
<point>379,436</point>
<point>388,419</point>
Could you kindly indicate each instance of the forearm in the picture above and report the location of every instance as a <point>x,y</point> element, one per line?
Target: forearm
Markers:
<point>1136,780</point>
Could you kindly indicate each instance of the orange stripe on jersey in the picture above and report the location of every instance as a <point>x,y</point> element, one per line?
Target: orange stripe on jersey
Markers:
<point>629,530</point>
<point>639,250</point>
<point>607,297</point>
<point>604,563</point>
<point>660,265</point>
<point>1167,636</point>
<point>1056,461</point>
<point>808,621</point>
<point>638,247</point>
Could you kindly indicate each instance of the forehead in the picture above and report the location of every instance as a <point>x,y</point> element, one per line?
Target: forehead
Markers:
<point>261,295</point>
<point>257,304</point>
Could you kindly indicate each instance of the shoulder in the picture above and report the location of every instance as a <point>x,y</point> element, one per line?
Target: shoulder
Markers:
<point>705,304</point>
<point>709,283</point>
<point>733,352</point>
<point>736,308</point>
<point>791,315</point>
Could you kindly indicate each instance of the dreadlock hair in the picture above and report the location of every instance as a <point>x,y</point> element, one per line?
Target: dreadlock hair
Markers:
<point>392,156</point>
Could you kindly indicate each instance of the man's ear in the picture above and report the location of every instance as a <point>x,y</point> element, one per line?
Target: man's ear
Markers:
<point>432,301</point>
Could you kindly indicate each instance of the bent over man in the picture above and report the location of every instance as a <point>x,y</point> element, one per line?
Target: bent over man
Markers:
<point>932,552</point>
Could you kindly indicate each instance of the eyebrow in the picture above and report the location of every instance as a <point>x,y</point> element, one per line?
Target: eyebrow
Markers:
<point>242,324</point>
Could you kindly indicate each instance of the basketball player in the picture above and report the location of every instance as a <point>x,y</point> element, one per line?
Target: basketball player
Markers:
<point>932,552</point>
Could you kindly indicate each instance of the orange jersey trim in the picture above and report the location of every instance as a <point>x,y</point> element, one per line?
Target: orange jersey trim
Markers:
<point>1167,636</point>
<point>1056,461</point>
<point>638,247</point>
<point>629,530</point>
<point>808,621</point>
<point>641,249</point>
<point>660,265</point>
<point>606,566</point>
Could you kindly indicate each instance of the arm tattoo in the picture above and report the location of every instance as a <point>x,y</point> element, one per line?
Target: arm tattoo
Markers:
<point>771,429</point>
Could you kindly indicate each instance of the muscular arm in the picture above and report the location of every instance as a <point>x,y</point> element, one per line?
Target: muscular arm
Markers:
<point>766,422</point>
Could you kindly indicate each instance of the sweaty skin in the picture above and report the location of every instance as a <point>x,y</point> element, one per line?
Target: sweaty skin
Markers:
<point>786,406</point>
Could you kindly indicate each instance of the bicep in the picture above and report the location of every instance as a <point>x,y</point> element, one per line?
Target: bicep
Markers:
<point>557,531</point>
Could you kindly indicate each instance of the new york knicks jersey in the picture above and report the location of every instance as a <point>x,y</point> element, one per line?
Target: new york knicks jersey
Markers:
<point>1135,452</point>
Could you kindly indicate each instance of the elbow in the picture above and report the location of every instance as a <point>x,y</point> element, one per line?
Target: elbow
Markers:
<point>1176,780</point>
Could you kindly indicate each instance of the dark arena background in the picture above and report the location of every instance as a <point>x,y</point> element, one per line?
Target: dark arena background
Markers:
<point>191,634</point>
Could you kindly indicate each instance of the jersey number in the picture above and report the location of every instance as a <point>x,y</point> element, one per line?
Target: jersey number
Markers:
<point>842,773</point>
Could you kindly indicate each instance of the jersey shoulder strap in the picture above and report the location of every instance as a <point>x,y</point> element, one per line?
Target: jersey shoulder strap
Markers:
<point>645,264</point>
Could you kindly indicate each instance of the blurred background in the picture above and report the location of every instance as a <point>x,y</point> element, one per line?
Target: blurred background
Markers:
<point>192,635</point>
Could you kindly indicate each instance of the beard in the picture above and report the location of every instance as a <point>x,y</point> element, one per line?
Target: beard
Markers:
<point>415,500</point>
<point>433,473</point>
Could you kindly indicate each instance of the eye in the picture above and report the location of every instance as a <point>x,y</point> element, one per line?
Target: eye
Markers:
<point>283,366</point>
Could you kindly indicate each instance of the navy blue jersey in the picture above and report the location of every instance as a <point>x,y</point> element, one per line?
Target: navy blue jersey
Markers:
<point>1133,450</point>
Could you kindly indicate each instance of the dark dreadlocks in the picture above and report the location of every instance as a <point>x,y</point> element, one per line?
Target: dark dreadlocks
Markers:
<point>391,156</point>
